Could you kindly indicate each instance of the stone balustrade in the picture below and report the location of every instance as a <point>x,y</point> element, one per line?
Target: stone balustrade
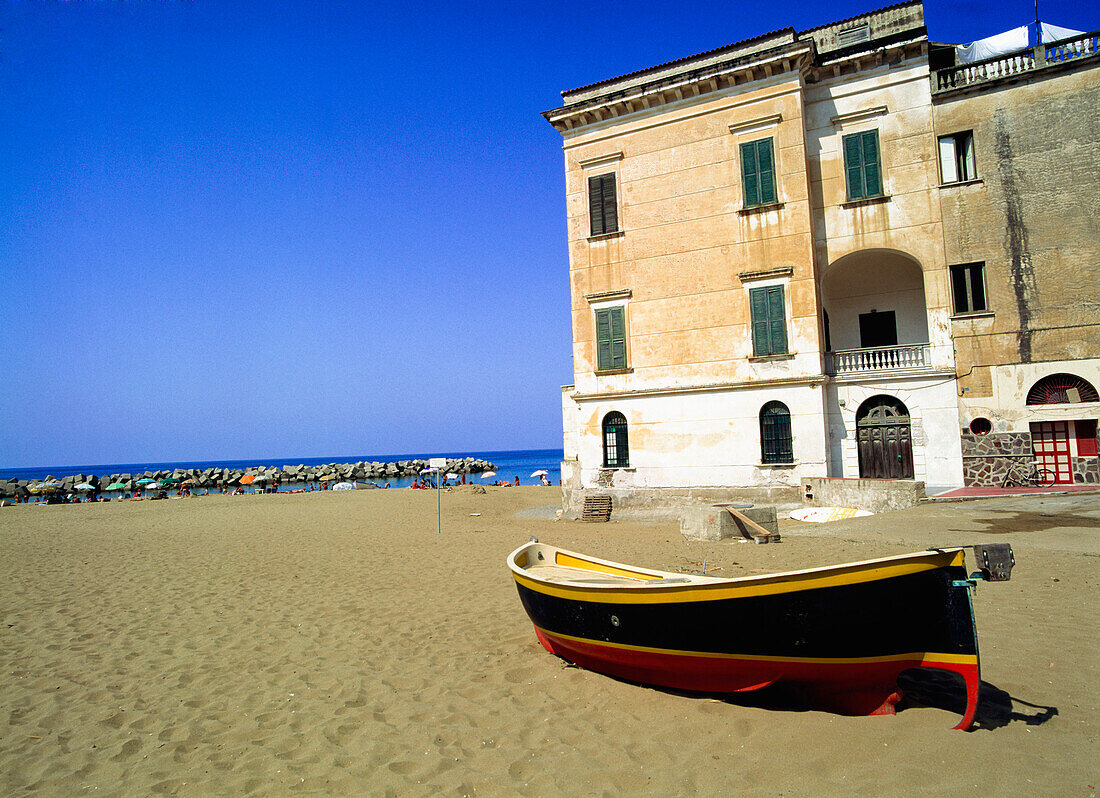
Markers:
<point>902,357</point>
<point>1016,63</point>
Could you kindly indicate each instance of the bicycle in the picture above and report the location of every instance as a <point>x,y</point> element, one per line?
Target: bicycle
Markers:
<point>1027,475</point>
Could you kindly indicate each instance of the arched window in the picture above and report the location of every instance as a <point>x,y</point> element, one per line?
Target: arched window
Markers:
<point>775,434</point>
<point>1057,389</point>
<point>616,453</point>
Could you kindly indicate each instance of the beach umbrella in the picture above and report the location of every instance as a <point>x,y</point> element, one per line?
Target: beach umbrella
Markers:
<point>452,476</point>
<point>43,487</point>
<point>144,481</point>
<point>169,481</point>
<point>343,486</point>
<point>260,478</point>
<point>117,486</point>
<point>540,473</point>
<point>248,479</point>
<point>150,486</point>
<point>84,486</point>
<point>488,474</point>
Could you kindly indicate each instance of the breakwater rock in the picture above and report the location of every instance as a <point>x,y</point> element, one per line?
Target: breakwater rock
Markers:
<point>232,477</point>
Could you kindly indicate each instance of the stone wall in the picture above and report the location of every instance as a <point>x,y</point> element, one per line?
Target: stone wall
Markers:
<point>1086,471</point>
<point>986,458</point>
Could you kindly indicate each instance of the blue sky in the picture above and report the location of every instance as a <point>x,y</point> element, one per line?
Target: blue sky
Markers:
<point>235,230</point>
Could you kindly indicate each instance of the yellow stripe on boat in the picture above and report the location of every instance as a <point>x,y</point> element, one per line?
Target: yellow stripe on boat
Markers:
<point>741,587</point>
<point>570,561</point>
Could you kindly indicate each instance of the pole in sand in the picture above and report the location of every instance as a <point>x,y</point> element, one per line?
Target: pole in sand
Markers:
<point>437,464</point>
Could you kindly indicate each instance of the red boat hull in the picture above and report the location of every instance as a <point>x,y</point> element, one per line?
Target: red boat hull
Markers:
<point>854,687</point>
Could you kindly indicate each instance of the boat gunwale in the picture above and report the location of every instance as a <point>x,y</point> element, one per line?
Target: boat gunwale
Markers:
<point>697,581</point>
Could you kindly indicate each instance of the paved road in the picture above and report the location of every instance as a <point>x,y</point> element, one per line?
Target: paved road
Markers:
<point>1069,523</point>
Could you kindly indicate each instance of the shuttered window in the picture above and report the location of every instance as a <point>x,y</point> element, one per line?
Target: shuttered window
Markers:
<point>861,165</point>
<point>769,321</point>
<point>603,211</point>
<point>957,157</point>
<point>610,338</point>
<point>776,445</point>
<point>758,173</point>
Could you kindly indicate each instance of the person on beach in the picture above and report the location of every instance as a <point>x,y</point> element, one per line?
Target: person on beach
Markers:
<point>543,480</point>
<point>517,482</point>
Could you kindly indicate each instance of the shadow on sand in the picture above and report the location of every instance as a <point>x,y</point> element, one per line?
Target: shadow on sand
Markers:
<point>921,687</point>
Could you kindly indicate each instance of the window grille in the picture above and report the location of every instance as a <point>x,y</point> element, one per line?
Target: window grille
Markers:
<point>616,452</point>
<point>776,445</point>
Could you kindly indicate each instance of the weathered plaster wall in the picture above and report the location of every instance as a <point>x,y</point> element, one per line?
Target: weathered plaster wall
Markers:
<point>894,99</point>
<point>937,458</point>
<point>1033,218</point>
<point>704,438</point>
<point>685,239</point>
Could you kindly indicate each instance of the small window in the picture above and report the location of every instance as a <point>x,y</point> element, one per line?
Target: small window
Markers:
<point>981,426</point>
<point>775,434</point>
<point>616,452</point>
<point>862,168</point>
<point>968,286</point>
<point>758,173</point>
<point>957,157</point>
<point>769,321</point>
<point>611,338</point>
<point>603,210</point>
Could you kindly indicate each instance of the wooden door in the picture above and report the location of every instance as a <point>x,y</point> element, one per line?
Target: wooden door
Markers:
<point>884,438</point>
<point>1050,445</point>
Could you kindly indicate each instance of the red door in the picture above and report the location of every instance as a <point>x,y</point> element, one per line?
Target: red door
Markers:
<point>1050,443</point>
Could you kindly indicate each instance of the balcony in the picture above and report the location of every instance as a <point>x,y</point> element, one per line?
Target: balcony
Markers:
<point>879,359</point>
<point>1011,65</point>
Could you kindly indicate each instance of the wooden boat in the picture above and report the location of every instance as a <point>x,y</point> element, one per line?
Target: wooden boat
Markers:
<point>840,635</point>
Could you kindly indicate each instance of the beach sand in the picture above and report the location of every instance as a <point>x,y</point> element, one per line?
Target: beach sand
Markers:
<point>335,644</point>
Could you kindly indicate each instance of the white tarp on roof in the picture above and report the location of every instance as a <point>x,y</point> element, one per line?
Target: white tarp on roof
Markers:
<point>1053,33</point>
<point>993,46</point>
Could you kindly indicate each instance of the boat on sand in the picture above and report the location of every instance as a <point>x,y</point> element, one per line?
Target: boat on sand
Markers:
<point>839,635</point>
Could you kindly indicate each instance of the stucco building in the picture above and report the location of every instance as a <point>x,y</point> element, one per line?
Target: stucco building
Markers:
<point>760,286</point>
<point>1019,136</point>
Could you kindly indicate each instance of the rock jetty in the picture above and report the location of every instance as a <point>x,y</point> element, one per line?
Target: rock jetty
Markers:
<point>262,475</point>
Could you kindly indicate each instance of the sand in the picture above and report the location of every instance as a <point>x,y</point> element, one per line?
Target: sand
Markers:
<point>334,644</point>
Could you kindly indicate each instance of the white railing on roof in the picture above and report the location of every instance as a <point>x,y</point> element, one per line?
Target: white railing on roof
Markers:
<point>1016,63</point>
<point>902,357</point>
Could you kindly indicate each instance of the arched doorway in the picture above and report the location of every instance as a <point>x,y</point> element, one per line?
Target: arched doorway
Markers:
<point>884,438</point>
<point>1052,442</point>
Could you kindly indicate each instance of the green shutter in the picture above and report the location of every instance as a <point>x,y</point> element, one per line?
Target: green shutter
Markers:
<point>618,338</point>
<point>758,173</point>
<point>777,320</point>
<point>603,339</point>
<point>758,304</point>
<point>769,321</point>
<point>610,206</point>
<point>610,339</point>
<point>750,176</point>
<point>603,211</point>
<point>872,178</point>
<point>767,171</point>
<point>853,167</point>
<point>595,205</point>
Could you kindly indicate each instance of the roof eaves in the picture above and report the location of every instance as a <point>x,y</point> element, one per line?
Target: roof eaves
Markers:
<point>658,67</point>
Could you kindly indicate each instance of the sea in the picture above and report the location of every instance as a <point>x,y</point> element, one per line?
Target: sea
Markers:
<point>509,465</point>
